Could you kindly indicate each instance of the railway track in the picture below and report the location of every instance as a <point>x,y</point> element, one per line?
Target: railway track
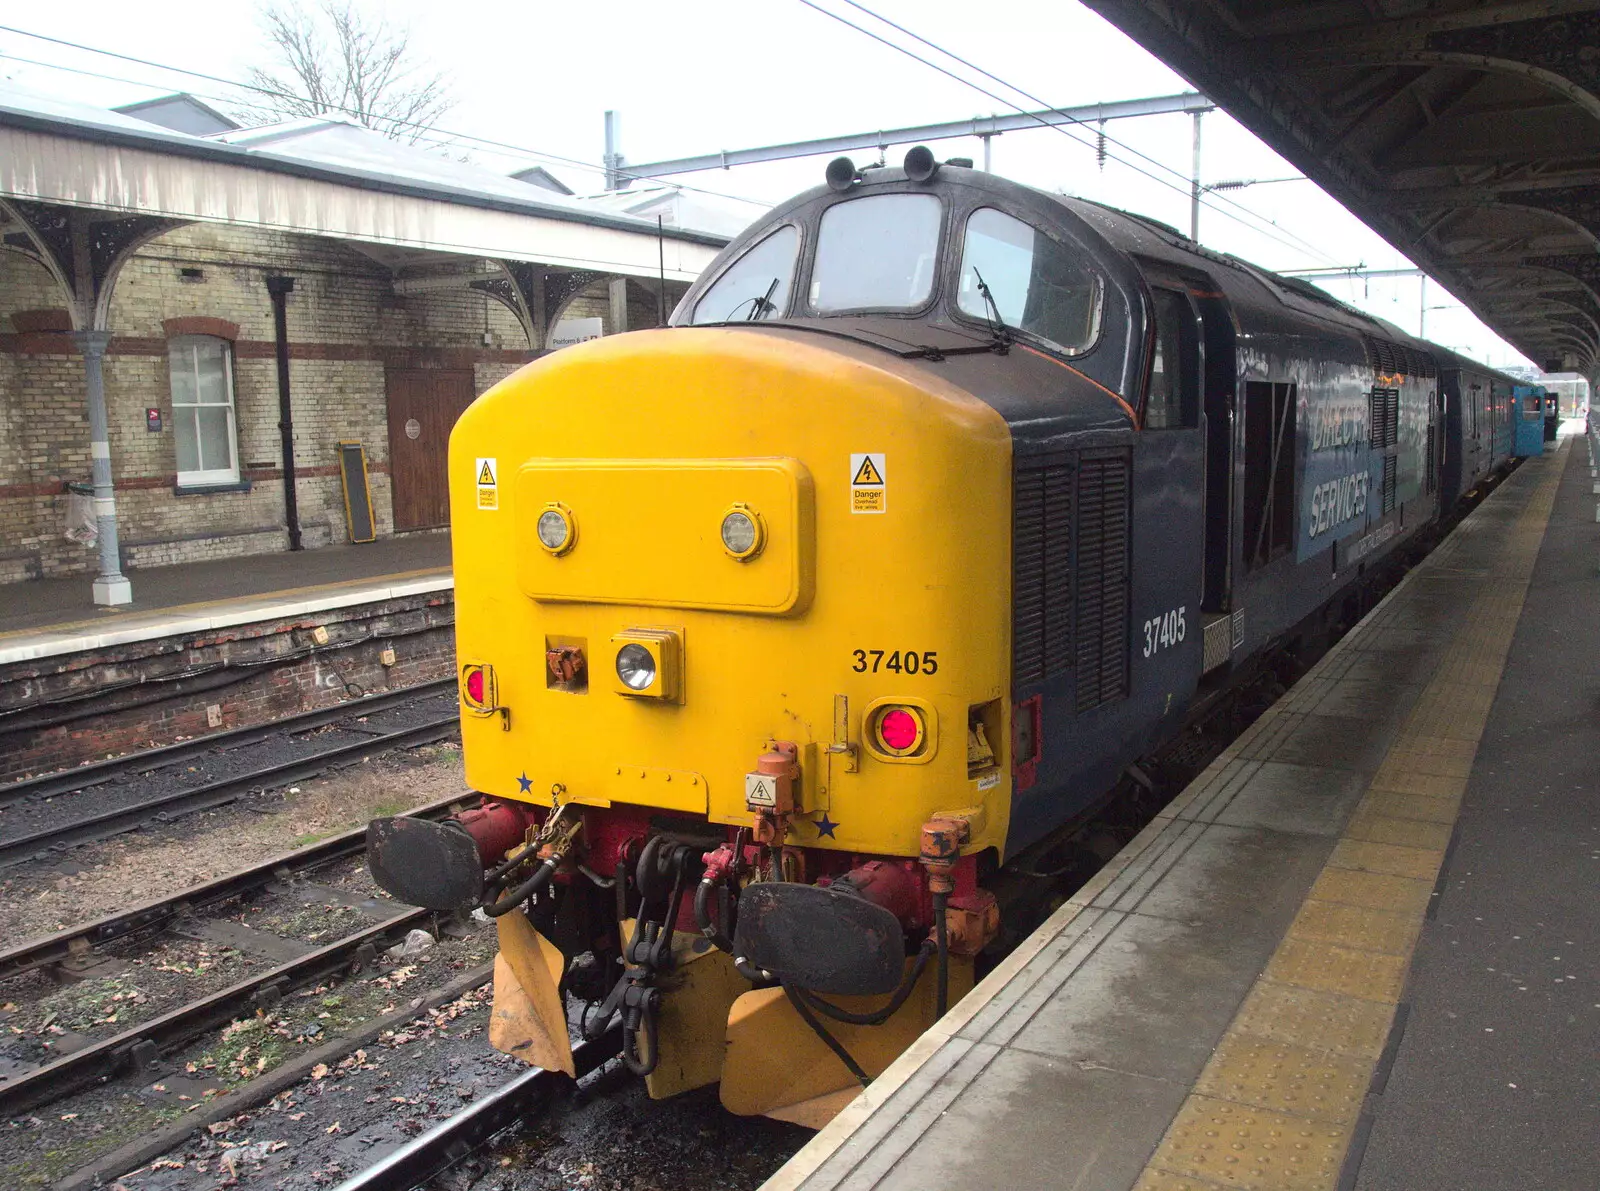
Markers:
<point>99,821</point>
<point>477,1125</point>
<point>142,1045</point>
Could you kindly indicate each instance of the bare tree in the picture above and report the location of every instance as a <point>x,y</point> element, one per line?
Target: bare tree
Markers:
<point>333,61</point>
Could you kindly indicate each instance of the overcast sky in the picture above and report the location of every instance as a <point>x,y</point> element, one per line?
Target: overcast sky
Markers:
<point>705,75</point>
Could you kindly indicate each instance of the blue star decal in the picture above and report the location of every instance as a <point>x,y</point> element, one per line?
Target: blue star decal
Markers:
<point>825,826</point>
<point>524,783</point>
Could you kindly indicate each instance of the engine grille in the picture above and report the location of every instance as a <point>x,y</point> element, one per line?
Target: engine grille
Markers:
<point>1101,613</point>
<point>1041,572</point>
<point>1388,358</point>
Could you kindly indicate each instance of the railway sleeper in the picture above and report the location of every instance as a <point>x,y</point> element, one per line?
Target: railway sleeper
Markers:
<point>99,1060</point>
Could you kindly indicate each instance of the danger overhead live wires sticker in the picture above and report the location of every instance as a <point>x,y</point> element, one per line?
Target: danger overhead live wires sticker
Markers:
<point>869,482</point>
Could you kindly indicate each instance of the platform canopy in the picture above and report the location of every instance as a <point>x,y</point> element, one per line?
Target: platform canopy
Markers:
<point>322,177</point>
<point>1465,132</point>
<point>82,189</point>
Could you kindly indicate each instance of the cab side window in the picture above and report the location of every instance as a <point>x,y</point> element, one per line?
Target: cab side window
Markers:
<point>1173,402</point>
<point>1029,281</point>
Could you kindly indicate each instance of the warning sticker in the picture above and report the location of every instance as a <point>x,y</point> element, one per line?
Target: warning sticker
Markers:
<point>760,790</point>
<point>488,472</point>
<point>869,483</point>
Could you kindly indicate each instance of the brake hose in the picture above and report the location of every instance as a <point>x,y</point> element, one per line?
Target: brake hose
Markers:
<point>878,1016</point>
<point>828,1039</point>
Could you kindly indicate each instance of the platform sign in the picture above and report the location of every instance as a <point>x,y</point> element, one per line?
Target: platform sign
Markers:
<point>869,482</point>
<point>568,331</point>
<point>487,472</point>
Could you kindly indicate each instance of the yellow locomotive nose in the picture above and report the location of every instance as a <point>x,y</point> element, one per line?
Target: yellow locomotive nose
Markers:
<point>705,540</point>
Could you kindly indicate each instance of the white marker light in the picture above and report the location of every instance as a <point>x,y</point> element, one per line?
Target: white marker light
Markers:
<point>743,535</point>
<point>555,529</point>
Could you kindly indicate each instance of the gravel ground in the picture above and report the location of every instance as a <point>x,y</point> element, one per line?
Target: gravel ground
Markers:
<point>39,1017</point>
<point>605,1135</point>
<point>27,817</point>
<point>42,1020</point>
<point>163,858</point>
<point>58,1138</point>
<point>610,1136</point>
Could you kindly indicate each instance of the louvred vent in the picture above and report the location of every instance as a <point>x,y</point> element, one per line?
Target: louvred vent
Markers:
<point>1042,572</point>
<point>1102,577</point>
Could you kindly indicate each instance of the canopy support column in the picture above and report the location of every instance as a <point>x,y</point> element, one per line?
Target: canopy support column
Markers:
<point>111,586</point>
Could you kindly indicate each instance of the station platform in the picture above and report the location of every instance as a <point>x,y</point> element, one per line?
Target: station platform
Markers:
<point>1358,953</point>
<point>46,617</point>
<point>210,646</point>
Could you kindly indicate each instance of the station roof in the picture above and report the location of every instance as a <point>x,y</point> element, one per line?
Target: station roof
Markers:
<point>677,208</point>
<point>1465,132</point>
<point>181,113</point>
<point>322,177</point>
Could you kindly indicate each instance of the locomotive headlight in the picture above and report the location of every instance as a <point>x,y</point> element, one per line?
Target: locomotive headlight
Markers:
<point>649,664</point>
<point>743,533</point>
<point>636,667</point>
<point>556,529</point>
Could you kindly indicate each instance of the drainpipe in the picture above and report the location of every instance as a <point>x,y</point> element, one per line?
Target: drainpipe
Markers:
<point>111,586</point>
<point>279,288</point>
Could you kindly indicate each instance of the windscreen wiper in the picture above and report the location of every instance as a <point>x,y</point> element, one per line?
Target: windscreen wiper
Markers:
<point>997,323</point>
<point>762,305</point>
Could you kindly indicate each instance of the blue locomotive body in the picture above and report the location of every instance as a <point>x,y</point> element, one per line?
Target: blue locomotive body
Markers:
<point>1206,457</point>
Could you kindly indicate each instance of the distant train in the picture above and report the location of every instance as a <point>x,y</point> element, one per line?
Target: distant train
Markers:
<point>781,631</point>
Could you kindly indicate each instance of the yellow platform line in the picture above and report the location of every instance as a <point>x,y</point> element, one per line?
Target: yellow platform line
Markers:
<point>1276,1107</point>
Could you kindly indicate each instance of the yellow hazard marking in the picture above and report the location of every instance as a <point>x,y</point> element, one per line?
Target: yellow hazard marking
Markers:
<point>1276,1106</point>
<point>488,498</point>
<point>867,473</point>
<point>485,476</point>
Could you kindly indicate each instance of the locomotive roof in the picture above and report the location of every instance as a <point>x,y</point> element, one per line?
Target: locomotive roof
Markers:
<point>1136,236</point>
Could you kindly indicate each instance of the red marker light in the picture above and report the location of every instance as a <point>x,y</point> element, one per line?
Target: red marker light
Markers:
<point>898,729</point>
<point>475,685</point>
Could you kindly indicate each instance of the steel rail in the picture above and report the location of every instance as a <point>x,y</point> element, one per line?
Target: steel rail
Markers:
<point>210,794</point>
<point>100,1060</point>
<point>48,785</point>
<point>475,1126</point>
<point>79,941</point>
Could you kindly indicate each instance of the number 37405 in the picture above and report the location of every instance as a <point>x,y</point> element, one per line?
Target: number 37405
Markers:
<point>897,661</point>
<point>1165,631</point>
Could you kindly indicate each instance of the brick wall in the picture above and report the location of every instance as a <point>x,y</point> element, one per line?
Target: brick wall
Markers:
<point>345,324</point>
<point>64,711</point>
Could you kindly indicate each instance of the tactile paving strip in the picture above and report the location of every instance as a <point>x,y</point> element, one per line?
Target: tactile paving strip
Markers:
<point>1239,1145</point>
<point>1275,1108</point>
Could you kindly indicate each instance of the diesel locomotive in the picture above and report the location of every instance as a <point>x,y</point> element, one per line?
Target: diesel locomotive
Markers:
<point>782,630</point>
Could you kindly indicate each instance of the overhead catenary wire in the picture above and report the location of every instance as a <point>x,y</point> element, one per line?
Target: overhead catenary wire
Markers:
<point>1157,162</point>
<point>1043,123</point>
<point>445,136</point>
<point>442,137</point>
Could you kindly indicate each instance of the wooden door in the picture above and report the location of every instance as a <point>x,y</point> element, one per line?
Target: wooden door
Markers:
<point>424,404</point>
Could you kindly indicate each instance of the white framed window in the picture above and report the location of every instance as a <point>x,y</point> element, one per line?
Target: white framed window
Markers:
<point>203,424</point>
